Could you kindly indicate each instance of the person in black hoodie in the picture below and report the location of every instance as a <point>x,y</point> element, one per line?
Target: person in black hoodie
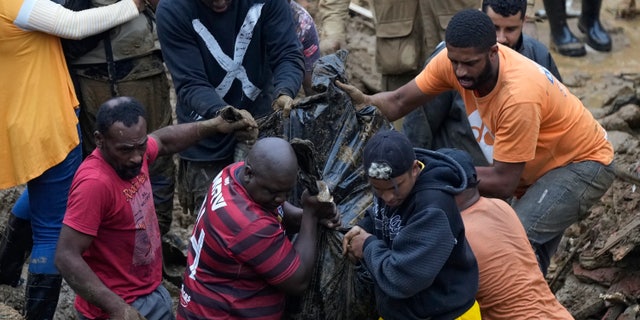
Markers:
<point>411,240</point>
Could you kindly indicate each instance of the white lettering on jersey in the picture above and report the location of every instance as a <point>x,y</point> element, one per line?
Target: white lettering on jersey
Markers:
<point>234,67</point>
<point>184,297</point>
<point>217,200</point>
<point>197,245</point>
<point>483,136</point>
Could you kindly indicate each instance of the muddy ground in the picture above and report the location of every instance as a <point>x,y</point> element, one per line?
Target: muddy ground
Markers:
<point>595,272</point>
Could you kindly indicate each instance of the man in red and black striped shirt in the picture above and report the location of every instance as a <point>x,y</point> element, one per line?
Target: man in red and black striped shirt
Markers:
<point>240,262</point>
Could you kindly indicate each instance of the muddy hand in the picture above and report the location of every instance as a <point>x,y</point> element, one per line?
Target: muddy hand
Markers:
<point>284,103</point>
<point>328,214</point>
<point>218,125</point>
<point>247,116</point>
<point>231,114</point>
<point>313,204</point>
<point>333,222</point>
<point>358,98</point>
<point>248,135</point>
<point>353,243</point>
<point>346,241</point>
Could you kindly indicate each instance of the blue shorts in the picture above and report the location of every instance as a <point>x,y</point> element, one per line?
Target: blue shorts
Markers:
<point>157,305</point>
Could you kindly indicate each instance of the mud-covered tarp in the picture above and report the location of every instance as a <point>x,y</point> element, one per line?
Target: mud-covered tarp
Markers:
<point>338,132</point>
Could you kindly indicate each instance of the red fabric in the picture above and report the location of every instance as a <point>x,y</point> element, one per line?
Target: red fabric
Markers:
<point>238,252</point>
<point>126,253</point>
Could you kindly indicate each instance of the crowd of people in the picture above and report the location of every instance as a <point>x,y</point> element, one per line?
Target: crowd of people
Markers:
<point>495,159</point>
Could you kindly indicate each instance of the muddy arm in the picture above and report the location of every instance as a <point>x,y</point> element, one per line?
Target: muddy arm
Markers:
<point>82,279</point>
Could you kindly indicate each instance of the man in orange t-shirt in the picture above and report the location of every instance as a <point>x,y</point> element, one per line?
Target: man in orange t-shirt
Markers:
<point>510,286</point>
<point>547,149</point>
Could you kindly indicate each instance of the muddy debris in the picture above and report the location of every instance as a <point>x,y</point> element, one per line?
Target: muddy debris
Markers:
<point>595,272</point>
<point>309,172</point>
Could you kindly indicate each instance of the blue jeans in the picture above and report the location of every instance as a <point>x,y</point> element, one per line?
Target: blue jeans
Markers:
<point>558,199</point>
<point>44,202</point>
<point>21,208</point>
<point>157,305</point>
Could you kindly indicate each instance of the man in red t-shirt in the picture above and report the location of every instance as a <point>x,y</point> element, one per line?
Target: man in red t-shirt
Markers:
<point>240,263</point>
<point>109,249</point>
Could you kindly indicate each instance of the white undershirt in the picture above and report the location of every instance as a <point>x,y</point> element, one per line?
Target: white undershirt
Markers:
<point>50,17</point>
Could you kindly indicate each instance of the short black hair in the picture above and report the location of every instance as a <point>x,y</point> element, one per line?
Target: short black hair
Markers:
<point>506,8</point>
<point>471,28</point>
<point>121,109</point>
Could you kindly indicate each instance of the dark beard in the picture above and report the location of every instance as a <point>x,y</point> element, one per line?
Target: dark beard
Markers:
<point>486,76</point>
<point>128,173</point>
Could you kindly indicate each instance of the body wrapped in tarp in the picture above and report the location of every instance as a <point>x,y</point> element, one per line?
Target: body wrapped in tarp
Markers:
<point>338,133</point>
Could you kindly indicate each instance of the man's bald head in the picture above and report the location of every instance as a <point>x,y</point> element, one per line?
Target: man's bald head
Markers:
<point>273,156</point>
<point>270,172</point>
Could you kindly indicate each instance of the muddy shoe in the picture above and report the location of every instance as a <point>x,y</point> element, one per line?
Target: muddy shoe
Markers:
<point>597,36</point>
<point>589,24</point>
<point>562,39</point>
<point>566,44</point>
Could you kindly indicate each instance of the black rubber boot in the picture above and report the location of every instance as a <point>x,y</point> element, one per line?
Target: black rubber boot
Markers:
<point>589,24</point>
<point>562,39</point>
<point>15,247</point>
<point>42,295</point>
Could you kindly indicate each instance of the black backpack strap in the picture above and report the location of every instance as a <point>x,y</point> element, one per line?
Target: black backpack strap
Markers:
<point>111,65</point>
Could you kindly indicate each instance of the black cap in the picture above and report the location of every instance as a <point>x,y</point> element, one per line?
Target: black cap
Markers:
<point>387,154</point>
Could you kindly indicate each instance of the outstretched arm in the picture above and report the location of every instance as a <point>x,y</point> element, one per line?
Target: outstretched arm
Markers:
<point>83,280</point>
<point>49,17</point>
<point>172,139</point>
<point>392,104</point>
